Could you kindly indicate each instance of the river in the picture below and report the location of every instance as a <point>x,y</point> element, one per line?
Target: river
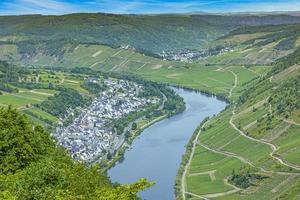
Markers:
<point>156,153</point>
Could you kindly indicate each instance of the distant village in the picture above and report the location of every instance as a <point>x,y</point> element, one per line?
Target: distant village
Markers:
<point>91,135</point>
<point>187,55</point>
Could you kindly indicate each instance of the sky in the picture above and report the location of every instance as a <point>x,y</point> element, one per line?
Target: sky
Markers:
<point>58,7</point>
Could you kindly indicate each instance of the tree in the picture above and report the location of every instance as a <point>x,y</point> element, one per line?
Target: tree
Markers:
<point>134,126</point>
<point>32,167</point>
<point>21,143</point>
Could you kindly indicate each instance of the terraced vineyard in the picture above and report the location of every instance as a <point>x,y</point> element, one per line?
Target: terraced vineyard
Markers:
<point>216,79</point>
<point>251,134</point>
<point>27,100</point>
<point>220,148</point>
<point>248,151</point>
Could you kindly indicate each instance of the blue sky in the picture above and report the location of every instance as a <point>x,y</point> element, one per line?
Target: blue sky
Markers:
<point>16,7</point>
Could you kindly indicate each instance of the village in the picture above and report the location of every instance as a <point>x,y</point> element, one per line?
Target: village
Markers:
<point>91,135</point>
<point>188,55</point>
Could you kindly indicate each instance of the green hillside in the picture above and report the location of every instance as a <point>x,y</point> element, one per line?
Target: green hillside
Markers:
<point>33,167</point>
<point>147,33</point>
<point>248,151</point>
<point>259,132</point>
<point>257,45</point>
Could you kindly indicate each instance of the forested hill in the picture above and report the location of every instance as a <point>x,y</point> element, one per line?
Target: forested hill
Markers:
<point>146,33</point>
<point>32,167</point>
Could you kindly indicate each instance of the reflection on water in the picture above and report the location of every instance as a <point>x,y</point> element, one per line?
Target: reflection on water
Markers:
<point>156,153</point>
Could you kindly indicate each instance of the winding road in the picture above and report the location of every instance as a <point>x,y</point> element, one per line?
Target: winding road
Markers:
<point>273,147</point>
<point>183,178</point>
<point>235,83</point>
<point>230,154</point>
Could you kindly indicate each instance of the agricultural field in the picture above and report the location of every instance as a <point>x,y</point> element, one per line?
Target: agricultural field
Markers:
<point>252,132</point>
<point>27,100</point>
<point>217,79</point>
<point>210,169</point>
<point>257,45</point>
<point>221,149</point>
<point>249,133</point>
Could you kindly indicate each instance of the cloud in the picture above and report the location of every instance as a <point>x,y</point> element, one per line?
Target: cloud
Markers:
<point>14,7</point>
<point>153,6</point>
<point>269,7</point>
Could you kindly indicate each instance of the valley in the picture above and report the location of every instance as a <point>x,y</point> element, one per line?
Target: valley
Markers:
<point>96,91</point>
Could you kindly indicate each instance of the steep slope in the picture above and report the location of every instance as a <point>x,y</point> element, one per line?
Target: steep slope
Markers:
<point>257,45</point>
<point>33,167</point>
<point>144,32</point>
<point>250,150</point>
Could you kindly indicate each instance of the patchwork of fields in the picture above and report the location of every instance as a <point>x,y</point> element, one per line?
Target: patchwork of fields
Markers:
<point>26,100</point>
<point>243,135</point>
<point>250,136</point>
<point>217,79</point>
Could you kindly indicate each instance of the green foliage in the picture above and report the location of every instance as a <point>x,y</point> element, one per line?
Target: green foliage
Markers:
<point>292,193</point>
<point>244,178</point>
<point>285,62</point>
<point>174,102</point>
<point>20,143</point>
<point>33,168</point>
<point>58,104</point>
<point>56,49</point>
<point>114,30</point>
<point>10,73</point>
<point>134,126</point>
<point>143,32</point>
<point>271,27</point>
<point>286,97</point>
<point>45,178</point>
<point>123,192</point>
<point>94,88</point>
<point>7,88</point>
<point>287,43</point>
<point>5,195</point>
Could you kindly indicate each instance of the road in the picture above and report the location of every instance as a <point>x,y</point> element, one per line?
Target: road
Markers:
<point>235,83</point>
<point>183,178</point>
<point>230,154</point>
<point>273,147</point>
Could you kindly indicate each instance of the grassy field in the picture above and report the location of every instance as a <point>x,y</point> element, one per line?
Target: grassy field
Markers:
<point>256,119</point>
<point>288,143</point>
<point>270,188</point>
<point>217,79</point>
<point>25,97</point>
<point>221,148</point>
<point>208,172</point>
<point>226,150</point>
<point>40,113</point>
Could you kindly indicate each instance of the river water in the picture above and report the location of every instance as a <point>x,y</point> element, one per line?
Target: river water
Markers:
<point>156,153</point>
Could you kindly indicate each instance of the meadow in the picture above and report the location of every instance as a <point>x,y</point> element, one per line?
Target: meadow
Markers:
<point>221,148</point>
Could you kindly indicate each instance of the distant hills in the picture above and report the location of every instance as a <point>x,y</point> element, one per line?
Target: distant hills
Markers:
<point>249,151</point>
<point>148,33</point>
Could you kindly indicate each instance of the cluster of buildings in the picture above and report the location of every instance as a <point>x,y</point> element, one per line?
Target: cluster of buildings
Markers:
<point>187,55</point>
<point>91,135</point>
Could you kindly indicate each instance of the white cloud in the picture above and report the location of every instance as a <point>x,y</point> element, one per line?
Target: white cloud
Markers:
<point>14,7</point>
<point>269,7</point>
<point>151,6</point>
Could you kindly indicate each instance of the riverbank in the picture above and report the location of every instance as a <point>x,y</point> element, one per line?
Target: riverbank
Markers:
<point>126,144</point>
<point>163,111</point>
<point>180,183</point>
<point>156,153</point>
